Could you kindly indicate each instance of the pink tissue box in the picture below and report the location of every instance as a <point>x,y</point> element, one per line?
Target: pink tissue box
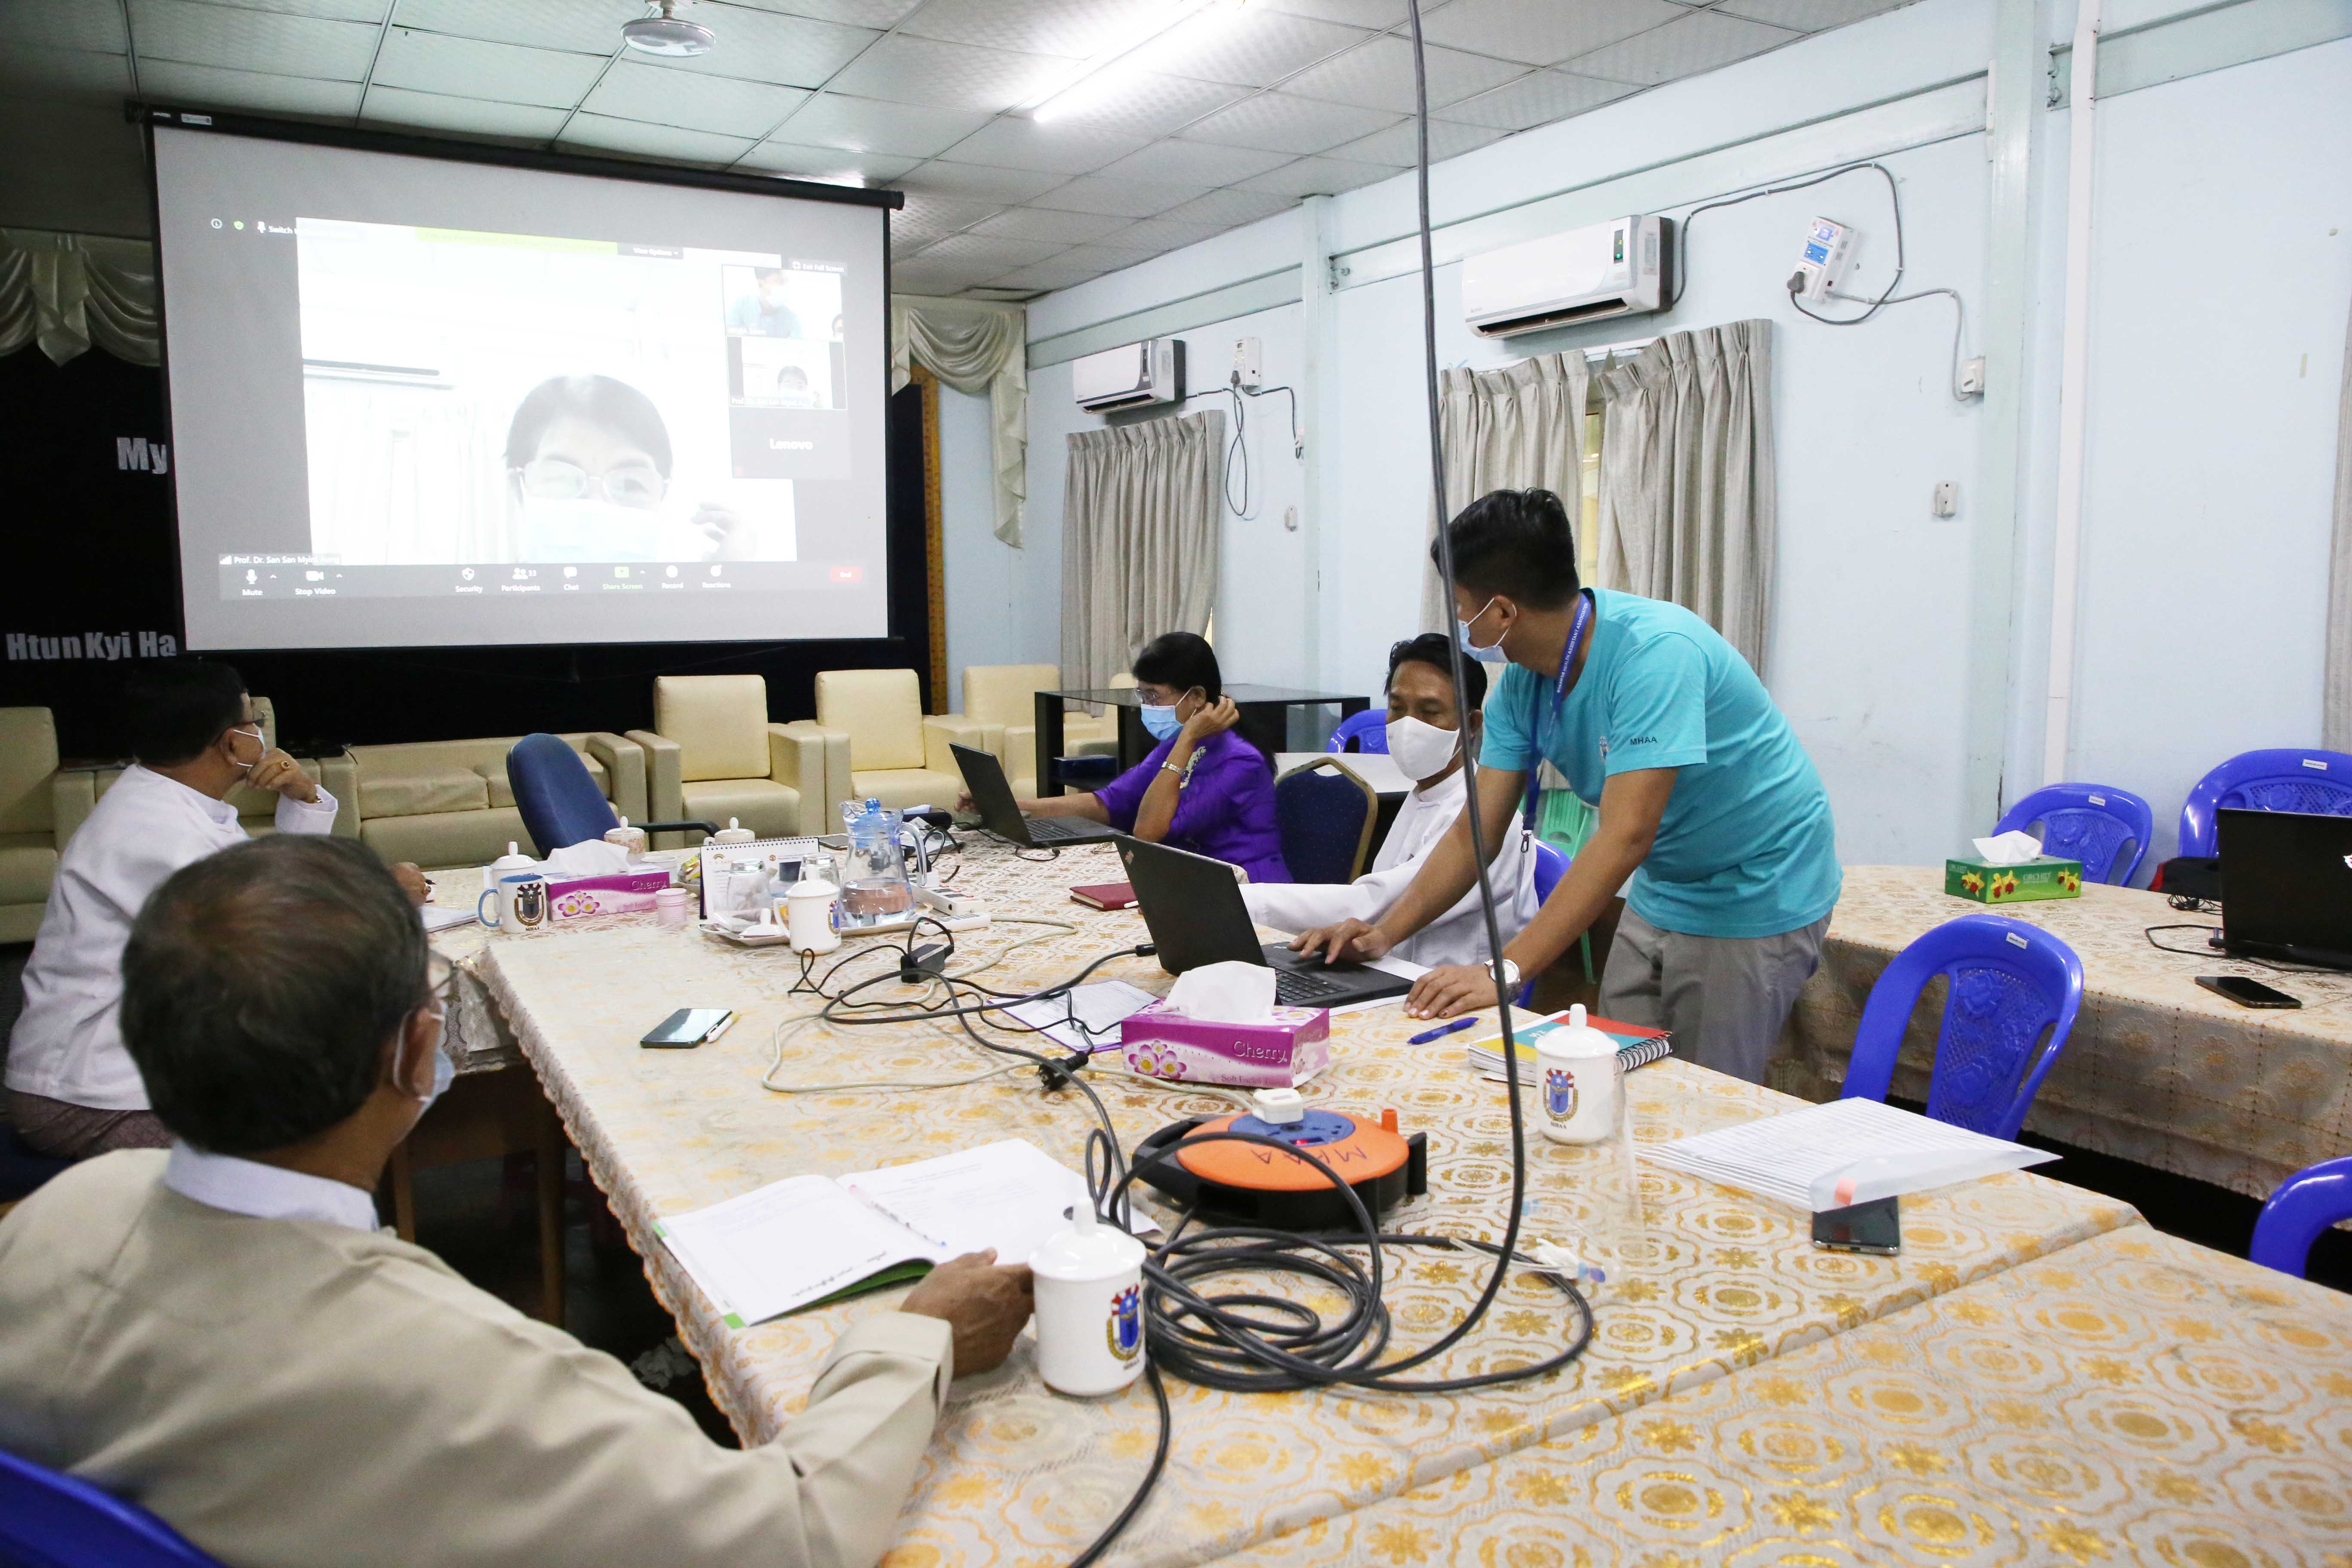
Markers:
<point>623,892</point>
<point>1283,1052</point>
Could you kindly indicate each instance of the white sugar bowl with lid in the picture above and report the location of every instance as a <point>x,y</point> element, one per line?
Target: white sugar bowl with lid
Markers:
<point>1578,1082</point>
<point>1089,1285</point>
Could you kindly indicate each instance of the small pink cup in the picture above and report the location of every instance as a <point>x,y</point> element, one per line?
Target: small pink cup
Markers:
<point>669,906</point>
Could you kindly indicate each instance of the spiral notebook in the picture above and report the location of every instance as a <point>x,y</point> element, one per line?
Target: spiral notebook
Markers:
<point>1636,1046</point>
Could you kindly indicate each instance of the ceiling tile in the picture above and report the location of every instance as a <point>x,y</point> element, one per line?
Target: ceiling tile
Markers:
<point>1379,75</point>
<point>825,163</point>
<point>1140,102</point>
<point>467,68</point>
<point>1106,257</point>
<point>1230,207</point>
<point>956,75</point>
<point>434,112</point>
<point>1537,98</point>
<point>1045,223</point>
<point>1076,30</point>
<point>1541,34</point>
<point>1256,47</point>
<point>368,11</point>
<point>1809,15</point>
<point>763,45</point>
<point>1161,233</point>
<point>662,97</point>
<point>1061,147</point>
<point>1316,177</point>
<point>868,125</point>
<point>977,182</point>
<point>669,142</point>
<point>1354,13</point>
<point>857,12</point>
<point>584,27</point>
<point>1047,275</point>
<point>928,217</point>
<point>1281,124</point>
<point>981,248</point>
<point>64,25</point>
<point>238,39</point>
<point>209,85</point>
<point>1192,163</point>
<point>30,71</point>
<point>1694,42</point>
<point>925,277</point>
<point>1397,146</point>
<point>1119,198</point>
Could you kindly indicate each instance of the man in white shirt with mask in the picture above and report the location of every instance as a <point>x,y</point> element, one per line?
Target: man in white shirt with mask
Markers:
<point>73,1090</point>
<point>1428,725</point>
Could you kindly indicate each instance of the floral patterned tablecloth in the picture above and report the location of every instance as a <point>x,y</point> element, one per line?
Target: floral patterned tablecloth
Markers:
<point>2157,1069</point>
<point>2134,1399</point>
<point>1718,1280</point>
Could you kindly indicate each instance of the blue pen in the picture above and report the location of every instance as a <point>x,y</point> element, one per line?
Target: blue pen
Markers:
<point>1443,1030</point>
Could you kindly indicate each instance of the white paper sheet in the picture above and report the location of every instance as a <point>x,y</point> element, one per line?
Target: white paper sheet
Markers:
<point>787,1244</point>
<point>1009,1195</point>
<point>1098,1008</point>
<point>1783,1157</point>
<point>441,917</point>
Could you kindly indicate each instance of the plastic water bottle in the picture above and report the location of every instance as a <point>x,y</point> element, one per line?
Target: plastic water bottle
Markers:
<point>874,878</point>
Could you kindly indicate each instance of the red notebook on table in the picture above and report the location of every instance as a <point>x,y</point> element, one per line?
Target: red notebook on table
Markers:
<point>1106,895</point>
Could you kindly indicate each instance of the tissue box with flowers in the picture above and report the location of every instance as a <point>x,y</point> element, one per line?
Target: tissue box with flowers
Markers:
<point>1219,1025</point>
<point>2010,868</point>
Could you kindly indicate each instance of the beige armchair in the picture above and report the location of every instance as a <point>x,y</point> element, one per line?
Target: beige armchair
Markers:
<point>39,809</point>
<point>896,755</point>
<point>712,754</point>
<point>447,803</point>
<point>1006,695</point>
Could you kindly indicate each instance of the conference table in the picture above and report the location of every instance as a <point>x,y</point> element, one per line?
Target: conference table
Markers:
<point>1712,1281</point>
<point>2157,1069</point>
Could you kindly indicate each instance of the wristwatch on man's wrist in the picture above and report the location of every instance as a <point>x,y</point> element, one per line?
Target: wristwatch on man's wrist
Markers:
<point>1509,973</point>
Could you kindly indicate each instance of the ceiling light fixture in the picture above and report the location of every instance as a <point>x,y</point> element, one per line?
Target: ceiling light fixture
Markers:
<point>1108,68</point>
<point>667,36</point>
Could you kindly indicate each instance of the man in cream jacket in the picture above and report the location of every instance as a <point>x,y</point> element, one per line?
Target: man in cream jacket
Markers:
<point>221,1334</point>
<point>1429,724</point>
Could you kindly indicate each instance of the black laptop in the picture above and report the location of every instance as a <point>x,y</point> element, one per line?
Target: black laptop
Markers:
<point>2287,886</point>
<point>1192,906</point>
<point>1000,812</point>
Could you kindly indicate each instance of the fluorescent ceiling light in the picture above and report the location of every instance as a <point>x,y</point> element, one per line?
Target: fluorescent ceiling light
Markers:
<point>1103,73</point>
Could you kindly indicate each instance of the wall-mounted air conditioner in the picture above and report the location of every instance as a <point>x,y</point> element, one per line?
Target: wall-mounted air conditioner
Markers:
<point>1145,373</point>
<point>1613,268</point>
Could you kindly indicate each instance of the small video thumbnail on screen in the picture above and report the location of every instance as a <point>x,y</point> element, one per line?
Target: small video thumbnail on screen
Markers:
<point>484,398</point>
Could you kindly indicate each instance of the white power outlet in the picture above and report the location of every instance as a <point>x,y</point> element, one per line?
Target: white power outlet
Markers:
<point>1947,498</point>
<point>1972,377</point>
<point>1249,361</point>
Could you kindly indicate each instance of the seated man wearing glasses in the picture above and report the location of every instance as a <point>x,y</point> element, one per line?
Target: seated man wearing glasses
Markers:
<point>223,1335</point>
<point>72,1090</point>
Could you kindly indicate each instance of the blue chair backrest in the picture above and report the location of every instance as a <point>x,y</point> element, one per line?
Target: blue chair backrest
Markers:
<point>2319,783</point>
<point>557,798</point>
<point>1369,730</point>
<point>2090,823</point>
<point>49,1520</point>
<point>1324,818</point>
<point>1551,867</point>
<point>2009,982</point>
<point>21,1169</point>
<point>2305,1204</point>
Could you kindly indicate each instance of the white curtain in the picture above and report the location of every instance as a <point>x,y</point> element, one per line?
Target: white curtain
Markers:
<point>1139,513</point>
<point>2336,719</point>
<point>1686,478</point>
<point>975,348</point>
<point>68,291</point>
<point>1517,428</point>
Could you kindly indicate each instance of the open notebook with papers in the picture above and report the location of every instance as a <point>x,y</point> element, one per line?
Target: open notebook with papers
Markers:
<point>1636,1046</point>
<point>810,1239</point>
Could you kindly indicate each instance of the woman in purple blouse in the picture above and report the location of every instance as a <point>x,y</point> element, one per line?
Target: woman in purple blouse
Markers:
<point>1203,787</point>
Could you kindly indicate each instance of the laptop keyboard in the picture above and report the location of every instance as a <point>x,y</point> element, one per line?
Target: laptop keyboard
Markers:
<point>1294,988</point>
<point>1053,830</point>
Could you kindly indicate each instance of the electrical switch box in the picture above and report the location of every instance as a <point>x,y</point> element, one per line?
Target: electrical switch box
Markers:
<point>1249,361</point>
<point>1821,266</point>
<point>1947,498</point>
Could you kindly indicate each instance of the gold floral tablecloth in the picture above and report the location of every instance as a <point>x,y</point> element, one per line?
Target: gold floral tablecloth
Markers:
<point>1717,1280</point>
<point>2157,1069</point>
<point>2134,1399</point>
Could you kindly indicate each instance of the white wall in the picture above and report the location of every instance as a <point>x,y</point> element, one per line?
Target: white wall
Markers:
<point>990,617</point>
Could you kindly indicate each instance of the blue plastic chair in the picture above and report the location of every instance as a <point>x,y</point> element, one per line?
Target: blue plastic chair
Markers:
<point>21,1169</point>
<point>2009,982</point>
<point>49,1520</point>
<point>2305,1204</point>
<point>2090,823</point>
<point>1551,867</point>
<point>1369,730</point>
<point>559,802</point>
<point>1325,818</point>
<point>2319,783</point>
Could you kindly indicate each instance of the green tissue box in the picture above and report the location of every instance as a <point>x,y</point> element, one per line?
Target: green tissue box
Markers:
<point>2044,877</point>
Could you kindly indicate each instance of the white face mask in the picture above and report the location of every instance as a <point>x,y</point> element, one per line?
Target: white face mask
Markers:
<point>590,531</point>
<point>445,1071</point>
<point>256,732</point>
<point>1421,751</point>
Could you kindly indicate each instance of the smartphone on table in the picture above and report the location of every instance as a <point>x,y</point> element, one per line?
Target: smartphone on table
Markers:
<point>1874,1227</point>
<point>2246,993</point>
<point>688,1028</point>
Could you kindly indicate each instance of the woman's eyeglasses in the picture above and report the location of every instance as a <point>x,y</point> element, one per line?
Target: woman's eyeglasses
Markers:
<point>631,484</point>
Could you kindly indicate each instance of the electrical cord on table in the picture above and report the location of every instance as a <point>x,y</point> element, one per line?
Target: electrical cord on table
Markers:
<point>2215,952</point>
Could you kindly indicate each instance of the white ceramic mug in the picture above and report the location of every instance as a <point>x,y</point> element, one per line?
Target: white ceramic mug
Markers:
<point>808,917</point>
<point>1578,1082</point>
<point>521,898</point>
<point>1089,1286</point>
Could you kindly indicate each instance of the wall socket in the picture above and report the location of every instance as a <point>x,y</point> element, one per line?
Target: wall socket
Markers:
<point>1249,361</point>
<point>1972,373</point>
<point>1948,499</point>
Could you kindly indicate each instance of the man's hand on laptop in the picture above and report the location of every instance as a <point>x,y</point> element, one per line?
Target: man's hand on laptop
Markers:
<point>984,1304</point>
<point>1348,941</point>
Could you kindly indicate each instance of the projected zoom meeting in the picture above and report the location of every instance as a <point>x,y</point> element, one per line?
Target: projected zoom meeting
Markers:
<point>511,413</point>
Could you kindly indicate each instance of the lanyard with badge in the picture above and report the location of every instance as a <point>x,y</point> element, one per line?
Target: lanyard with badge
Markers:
<point>1538,721</point>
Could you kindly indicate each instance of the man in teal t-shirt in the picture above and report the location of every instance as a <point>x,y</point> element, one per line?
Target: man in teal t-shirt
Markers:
<point>1707,802</point>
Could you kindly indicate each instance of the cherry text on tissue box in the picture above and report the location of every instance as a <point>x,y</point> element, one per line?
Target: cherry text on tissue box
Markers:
<point>1290,1047</point>
<point>623,892</point>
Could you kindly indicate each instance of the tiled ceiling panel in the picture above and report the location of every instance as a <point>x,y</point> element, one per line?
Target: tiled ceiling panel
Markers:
<point>1185,121</point>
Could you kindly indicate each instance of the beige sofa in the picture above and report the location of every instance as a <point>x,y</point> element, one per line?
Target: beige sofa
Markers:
<point>713,755</point>
<point>1004,696</point>
<point>447,803</point>
<point>897,754</point>
<point>39,808</point>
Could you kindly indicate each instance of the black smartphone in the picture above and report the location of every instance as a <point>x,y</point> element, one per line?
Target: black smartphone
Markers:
<point>689,1027</point>
<point>1875,1227</point>
<point>2246,993</point>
